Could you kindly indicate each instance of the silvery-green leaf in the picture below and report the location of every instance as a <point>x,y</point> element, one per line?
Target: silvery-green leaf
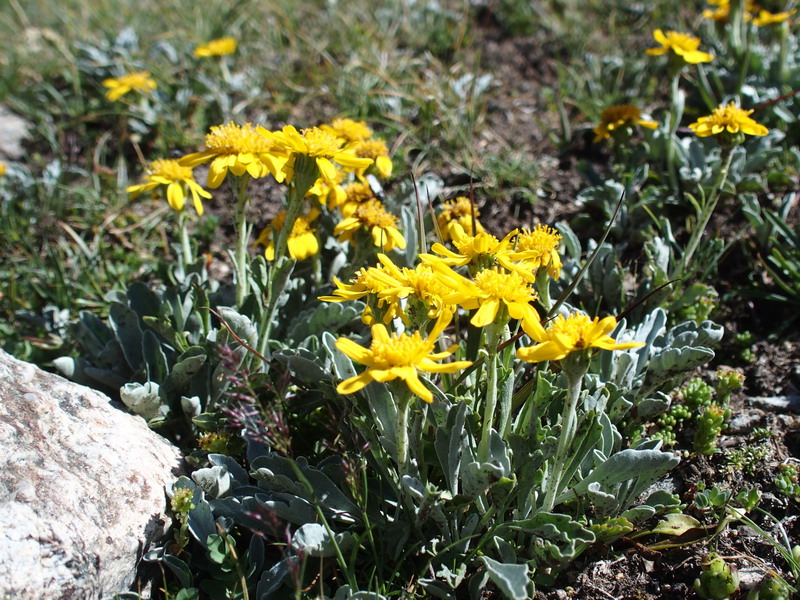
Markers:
<point>142,300</point>
<point>288,507</point>
<point>125,324</point>
<point>215,481</point>
<point>272,580</point>
<point>180,569</point>
<point>191,406</point>
<point>154,357</point>
<point>187,365</point>
<point>312,539</point>
<point>638,514</point>
<point>324,316</point>
<point>604,503</point>
<point>383,408</point>
<point>303,364</point>
<point>649,408</point>
<point>201,518</point>
<point>504,549</point>
<point>143,399</point>
<point>677,524</point>
<point>238,472</point>
<point>511,579</point>
<point>554,537</point>
<point>240,324</point>
<point>448,443</point>
<point>342,365</point>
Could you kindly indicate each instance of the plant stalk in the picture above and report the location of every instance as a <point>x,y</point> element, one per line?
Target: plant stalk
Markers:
<point>242,238</point>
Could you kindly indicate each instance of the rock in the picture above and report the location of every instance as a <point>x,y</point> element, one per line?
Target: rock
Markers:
<point>82,488</point>
<point>777,403</point>
<point>13,129</point>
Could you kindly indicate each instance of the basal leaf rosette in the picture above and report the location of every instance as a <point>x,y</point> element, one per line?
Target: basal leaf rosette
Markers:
<point>238,149</point>
<point>399,356</point>
<point>176,179</point>
<point>565,335</point>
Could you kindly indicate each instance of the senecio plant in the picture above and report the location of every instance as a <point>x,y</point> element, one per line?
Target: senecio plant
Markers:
<point>484,426</point>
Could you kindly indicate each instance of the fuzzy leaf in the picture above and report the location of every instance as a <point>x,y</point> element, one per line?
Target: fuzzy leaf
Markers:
<point>512,579</point>
<point>325,316</point>
<point>448,443</point>
<point>555,537</point>
<point>125,324</point>
<point>312,539</point>
<point>677,524</point>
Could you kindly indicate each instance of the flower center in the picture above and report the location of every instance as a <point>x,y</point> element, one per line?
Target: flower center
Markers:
<point>170,169</point>
<point>370,280</point>
<point>373,214</point>
<point>682,41</point>
<point>622,113</point>
<point>237,139</point>
<point>319,142</point>
<point>399,350</point>
<point>499,285</point>
<point>425,283</point>
<point>358,192</point>
<point>371,149</point>
<point>729,115</point>
<point>575,328</point>
<point>352,131</point>
<point>479,244</point>
<point>460,207</point>
<point>543,240</point>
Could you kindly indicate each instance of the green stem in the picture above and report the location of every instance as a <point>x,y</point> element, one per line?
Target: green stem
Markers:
<point>575,367</point>
<point>543,287</point>
<point>744,63</point>
<point>493,334</point>
<point>705,88</point>
<point>187,257</point>
<point>707,210</point>
<point>401,434</point>
<point>242,238</point>
<point>675,115</point>
<point>783,67</point>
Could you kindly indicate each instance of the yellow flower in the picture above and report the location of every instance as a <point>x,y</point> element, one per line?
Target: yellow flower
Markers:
<point>355,194</point>
<point>458,211</point>
<point>421,285</point>
<point>3,168</point>
<point>377,151</point>
<point>478,251</point>
<point>368,283</point>
<point>349,130</point>
<point>218,47</point>
<point>535,250</point>
<point>681,44</point>
<point>399,356</point>
<point>490,290</point>
<point>720,12</point>
<point>330,194</point>
<point>119,86</point>
<point>302,242</point>
<point>177,179</point>
<point>616,117</point>
<point>239,149</point>
<point>373,217</point>
<point>730,119</point>
<point>767,18</point>
<point>569,334</point>
<point>322,146</point>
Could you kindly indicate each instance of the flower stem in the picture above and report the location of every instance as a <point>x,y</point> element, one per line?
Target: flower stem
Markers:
<point>493,333</point>
<point>707,210</point>
<point>242,238</point>
<point>575,367</point>
<point>675,114</point>
<point>187,257</point>
<point>401,433</point>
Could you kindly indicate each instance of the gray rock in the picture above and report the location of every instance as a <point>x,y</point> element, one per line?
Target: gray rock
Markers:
<point>82,488</point>
<point>13,129</point>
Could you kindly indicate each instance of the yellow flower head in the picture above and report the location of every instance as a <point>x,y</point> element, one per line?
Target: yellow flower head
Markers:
<point>720,12</point>
<point>768,18</point>
<point>399,356</point>
<point>569,334</point>
<point>489,291</point>
<point>302,242</point>
<point>458,211</point>
<point>617,117</point>
<point>422,286</point>
<point>377,151</point>
<point>321,145</point>
<point>368,283</point>
<point>535,250</point>
<point>373,217</point>
<point>218,47</point>
<point>725,120</point>
<point>239,149</point>
<point>682,45</point>
<point>139,81</point>
<point>3,168</point>
<point>330,194</point>
<point>479,251</point>
<point>356,194</point>
<point>177,179</point>
<point>349,130</point>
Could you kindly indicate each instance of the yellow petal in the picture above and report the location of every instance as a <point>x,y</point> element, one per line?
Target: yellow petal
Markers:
<point>352,385</point>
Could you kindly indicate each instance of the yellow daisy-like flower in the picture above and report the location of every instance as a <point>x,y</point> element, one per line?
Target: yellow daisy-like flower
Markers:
<point>618,116</point>
<point>321,145</point>
<point>720,12</point>
<point>569,334</point>
<point>421,285</point>
<point>399,356</point>
<point>139,81</point>
<point>349,130</point>
<point>727,118</point>
<point>218,47</point>
<point>380,223</point>
<point>3,168</point>
<point>490,290</point>
<point>768,18</point>
<point>356,194</point>
<point>534,250</point>
<point>681,44</point>
<point>302,242</point>
<point>370,284</point>
<point>331,194</point>
<point>458,211</point>
<point>177,179</point>
<point>478,251</point>
<point>377,151</point>
<point>239,149</point>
